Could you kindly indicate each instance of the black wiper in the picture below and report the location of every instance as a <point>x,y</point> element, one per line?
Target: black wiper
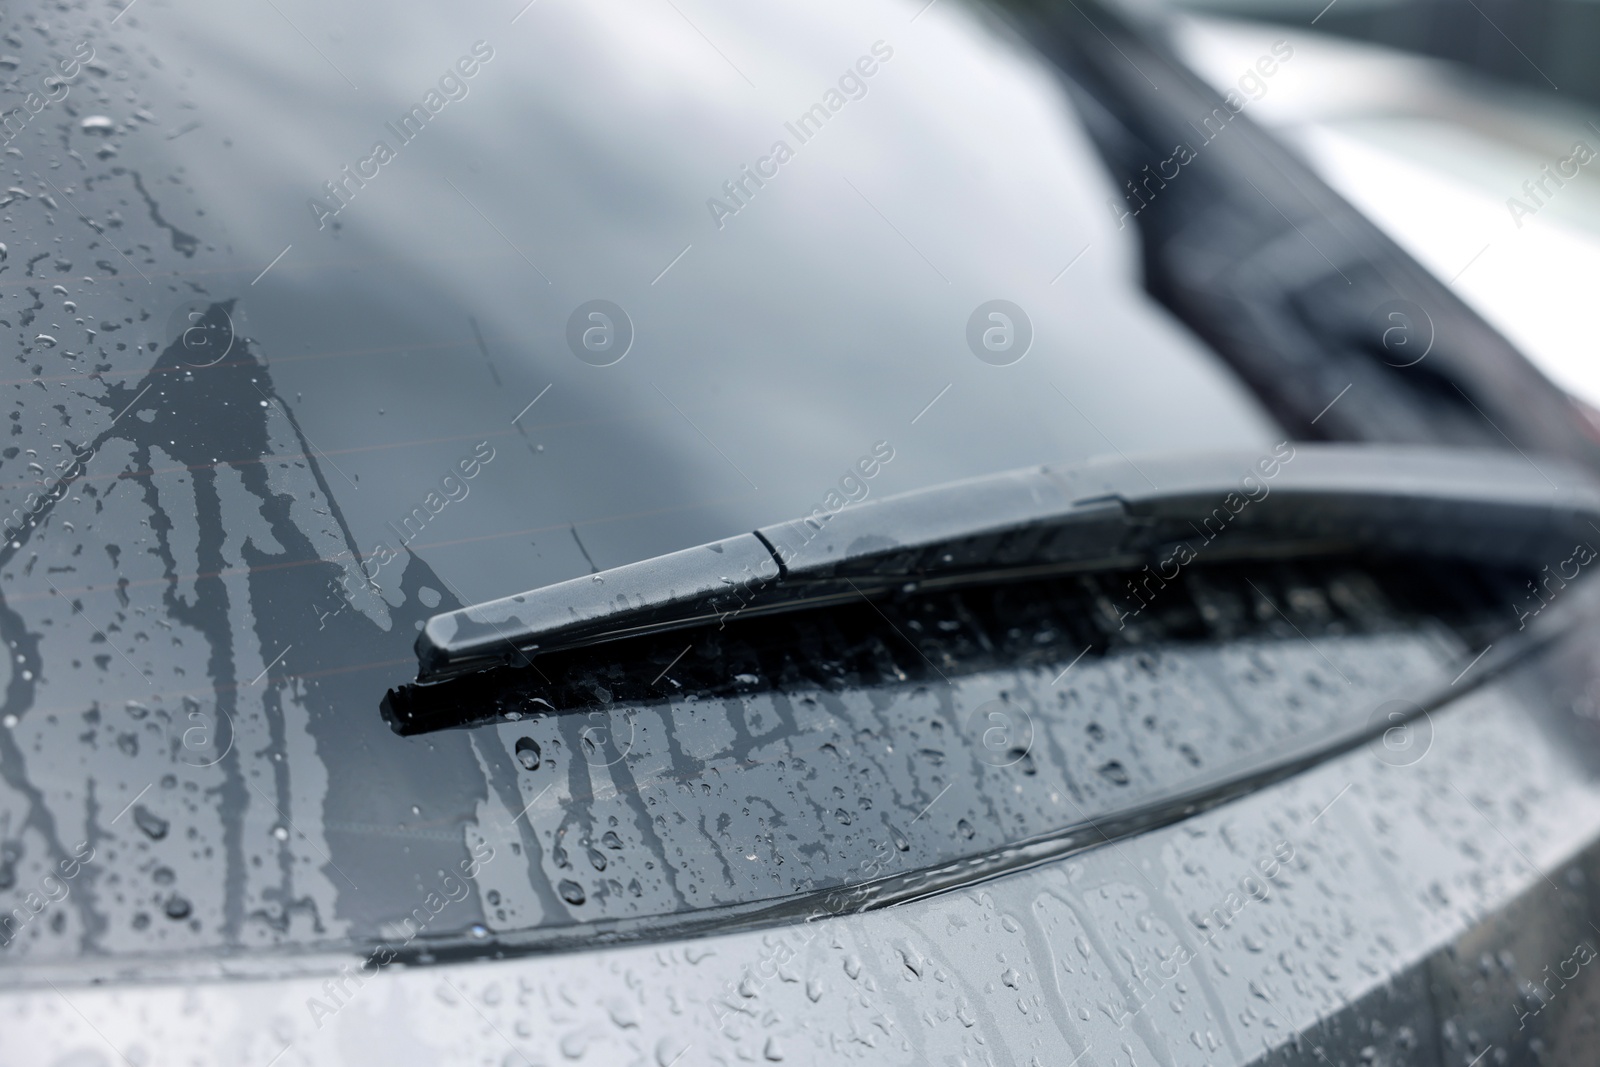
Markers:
<point>1481,506</point>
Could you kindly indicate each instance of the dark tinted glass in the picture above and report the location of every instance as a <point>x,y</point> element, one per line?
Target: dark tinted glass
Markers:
<point>326,318</point>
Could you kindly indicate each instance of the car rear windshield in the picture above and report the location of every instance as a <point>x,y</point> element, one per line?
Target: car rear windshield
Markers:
<point>325,319</point>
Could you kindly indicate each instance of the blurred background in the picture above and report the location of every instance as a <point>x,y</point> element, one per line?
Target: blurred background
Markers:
<point>1442,120</point>
<point>1540,43</point>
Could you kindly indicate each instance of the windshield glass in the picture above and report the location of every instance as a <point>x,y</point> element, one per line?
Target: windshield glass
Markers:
<point>324,321</point>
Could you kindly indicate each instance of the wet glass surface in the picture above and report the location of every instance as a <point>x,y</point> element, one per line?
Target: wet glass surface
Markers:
<point>278,395</point>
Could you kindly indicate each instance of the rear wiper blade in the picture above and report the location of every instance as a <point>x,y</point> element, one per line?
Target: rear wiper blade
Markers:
<point>1484,506</point>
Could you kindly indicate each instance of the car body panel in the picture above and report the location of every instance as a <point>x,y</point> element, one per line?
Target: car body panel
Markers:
<point>1305,890</point>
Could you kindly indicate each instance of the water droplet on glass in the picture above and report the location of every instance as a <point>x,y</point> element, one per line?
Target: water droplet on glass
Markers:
<point>575,1044</point>
<point>154,826</point>
<point>478,930</point>
<point>571,892</point>
<point>622,1014</point>
<point>177,907</point>
<point>281,833</point>
<point>100,124</point>
<point>528,753</point>
<point>1115,773</point>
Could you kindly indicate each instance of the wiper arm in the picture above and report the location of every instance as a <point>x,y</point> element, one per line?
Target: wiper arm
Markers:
<point>1490,507</point>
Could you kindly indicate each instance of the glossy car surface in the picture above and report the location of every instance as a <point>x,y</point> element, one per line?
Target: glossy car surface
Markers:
<point>328,322</point>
